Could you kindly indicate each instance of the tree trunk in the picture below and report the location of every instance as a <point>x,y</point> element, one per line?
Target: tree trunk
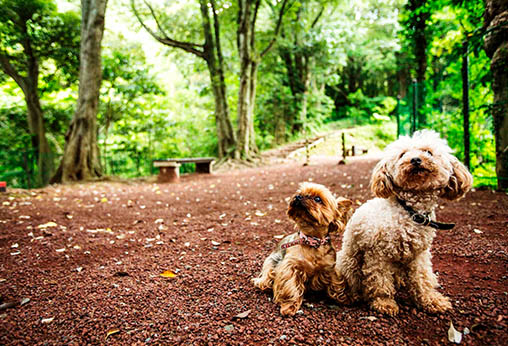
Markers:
<point>29,86</point>
<point>244,40</point>
<point>213,56</point>
<point>496,47</point>
<point>249,62</point>
<point>419,25</point>
<point>38,133</point>
<point>211,52</point>
<point>81,154</point>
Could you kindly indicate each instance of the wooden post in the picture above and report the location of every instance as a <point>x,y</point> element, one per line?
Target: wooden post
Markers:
<point>415,106</point>
<point>465,101</point>
<point>344,152</point>
<point>397,113</point>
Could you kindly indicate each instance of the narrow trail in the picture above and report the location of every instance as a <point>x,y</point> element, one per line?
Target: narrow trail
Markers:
<point>89,258</point>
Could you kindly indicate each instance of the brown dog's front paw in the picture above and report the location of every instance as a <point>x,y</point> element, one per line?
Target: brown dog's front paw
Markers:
<point>386,306</point>
<point>262,284</point>
<point>289,309</point>
<point>436,303</point>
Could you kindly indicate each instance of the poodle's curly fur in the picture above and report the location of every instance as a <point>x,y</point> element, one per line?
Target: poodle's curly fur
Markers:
<point>382,248</point>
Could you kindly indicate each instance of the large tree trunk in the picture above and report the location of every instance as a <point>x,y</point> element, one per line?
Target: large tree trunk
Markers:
<point>81,160</point>
<point>496,47</point>
<point>245,32</point>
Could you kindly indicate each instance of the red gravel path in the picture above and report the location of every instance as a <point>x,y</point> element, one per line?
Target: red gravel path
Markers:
<point>109,279</point>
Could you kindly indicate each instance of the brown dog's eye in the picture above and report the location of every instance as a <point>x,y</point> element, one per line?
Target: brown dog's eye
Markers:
<point>318,199</point>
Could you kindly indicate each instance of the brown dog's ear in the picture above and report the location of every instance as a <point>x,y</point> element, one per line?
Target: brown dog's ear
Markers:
<point>344,212</point>
<point>460,181</point>
<point>380,182</point>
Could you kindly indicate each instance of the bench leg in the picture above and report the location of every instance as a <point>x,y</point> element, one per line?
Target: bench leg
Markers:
<point>168,174</point>
<point>204,167</point>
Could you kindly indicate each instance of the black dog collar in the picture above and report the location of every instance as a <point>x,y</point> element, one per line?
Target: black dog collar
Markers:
<point>422,219</point>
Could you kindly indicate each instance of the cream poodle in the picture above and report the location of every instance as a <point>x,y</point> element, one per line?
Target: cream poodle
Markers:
<point>386,244</point>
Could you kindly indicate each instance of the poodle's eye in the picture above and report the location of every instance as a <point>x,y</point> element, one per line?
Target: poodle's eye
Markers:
<point>318,199</point>
<point>428,152</point>
<point>402,154</point>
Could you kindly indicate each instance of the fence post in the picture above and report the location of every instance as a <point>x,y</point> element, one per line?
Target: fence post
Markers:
<point>465,100</point>
<point>397,113</point>
<point>415,106</point>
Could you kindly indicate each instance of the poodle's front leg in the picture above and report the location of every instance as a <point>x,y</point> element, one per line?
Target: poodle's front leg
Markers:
<point>378,283</point>
<point>336,287</point>
<point>289,287</point>
<point>422,283</point>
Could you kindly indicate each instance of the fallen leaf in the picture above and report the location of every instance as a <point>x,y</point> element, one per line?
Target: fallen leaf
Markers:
<point>47,320</point>
<point>477,231</point>
<point>370,318</point>
<point>111,332</point>
<point>280,236</point>
<point>60,250</point>
<point>454,335</point>
<point>47,225</point>
<point>104,200</point>
<point>259,213</point>
<point>159,221</point>
<point>14,245</point>
<point>216,243</point>
<point>277,221</point>
<point>242,315</point>
<point>24,301</point>
<point>168,274</point>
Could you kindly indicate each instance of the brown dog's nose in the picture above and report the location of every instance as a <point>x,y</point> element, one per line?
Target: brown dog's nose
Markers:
<point>416,161</point>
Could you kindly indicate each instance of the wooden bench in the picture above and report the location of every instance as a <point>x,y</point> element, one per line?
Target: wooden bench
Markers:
<point>169,169</point>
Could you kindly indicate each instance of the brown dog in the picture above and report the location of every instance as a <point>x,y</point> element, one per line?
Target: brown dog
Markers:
<point>306,259</point>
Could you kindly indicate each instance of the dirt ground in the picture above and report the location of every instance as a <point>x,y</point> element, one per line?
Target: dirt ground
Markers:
<point>85,261</point>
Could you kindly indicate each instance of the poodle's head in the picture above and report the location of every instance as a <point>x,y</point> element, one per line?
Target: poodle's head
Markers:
<point>420,163</point>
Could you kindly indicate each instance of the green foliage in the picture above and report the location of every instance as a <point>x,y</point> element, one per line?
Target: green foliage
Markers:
<point>336,64</point>
<point>34,28</point>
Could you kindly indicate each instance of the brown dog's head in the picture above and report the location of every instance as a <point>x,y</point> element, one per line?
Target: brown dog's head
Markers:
<point>316,212</point>
<point>420,163</point>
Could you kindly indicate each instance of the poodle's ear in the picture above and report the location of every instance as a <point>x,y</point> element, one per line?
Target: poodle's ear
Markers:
<point>380,183</point>
<point>460,181</point>
<point>344,212</point>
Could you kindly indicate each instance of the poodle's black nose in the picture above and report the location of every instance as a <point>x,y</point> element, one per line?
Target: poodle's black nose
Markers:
<point>416,161</point>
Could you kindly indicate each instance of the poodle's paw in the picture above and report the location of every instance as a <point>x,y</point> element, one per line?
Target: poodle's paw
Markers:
<point>340,297</point>
<point>262,283</point>
<point>436,303</point>
<point>386,306</point>
<point>289,309</point>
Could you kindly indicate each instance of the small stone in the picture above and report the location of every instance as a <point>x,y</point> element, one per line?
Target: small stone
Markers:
<point>229,328</point>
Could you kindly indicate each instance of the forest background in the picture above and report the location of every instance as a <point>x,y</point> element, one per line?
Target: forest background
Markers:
<point>232,78</point>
